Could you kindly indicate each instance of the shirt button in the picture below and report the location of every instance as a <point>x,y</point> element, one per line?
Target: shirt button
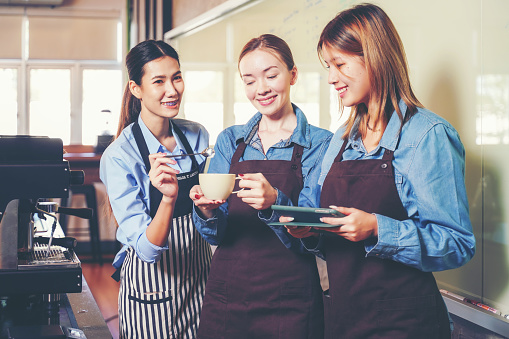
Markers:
<point>384,166</point>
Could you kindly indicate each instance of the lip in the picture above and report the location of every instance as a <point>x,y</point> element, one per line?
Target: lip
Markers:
<point>267,101</point>
<point>170,104</point>
<point>342,90</point>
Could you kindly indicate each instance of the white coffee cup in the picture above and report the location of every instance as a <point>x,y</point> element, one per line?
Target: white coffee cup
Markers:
<point>217,186</point>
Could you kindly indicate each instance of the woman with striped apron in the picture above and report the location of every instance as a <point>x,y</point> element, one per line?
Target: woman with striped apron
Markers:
<point>164,262</point>
<point>163,300</point>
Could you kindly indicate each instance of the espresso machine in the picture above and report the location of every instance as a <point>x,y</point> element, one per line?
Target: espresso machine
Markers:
<point>37,262</point>
<point>32,171</point>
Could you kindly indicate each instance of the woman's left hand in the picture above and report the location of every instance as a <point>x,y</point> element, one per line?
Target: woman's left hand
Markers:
<point>162,176</point>
<point>258,192</point>
<point>356,226</point>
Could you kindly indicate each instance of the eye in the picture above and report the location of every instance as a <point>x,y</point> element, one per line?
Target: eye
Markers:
<point>177,78</point>
<point>272,76</point>
<point>338,66</point>
<point>158,82</point>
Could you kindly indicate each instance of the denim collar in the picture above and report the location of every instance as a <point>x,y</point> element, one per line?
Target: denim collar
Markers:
<point>390,137</point>
<point>300,136</point>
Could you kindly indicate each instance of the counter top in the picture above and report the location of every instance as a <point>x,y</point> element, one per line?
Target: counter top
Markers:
<point>73,311</point>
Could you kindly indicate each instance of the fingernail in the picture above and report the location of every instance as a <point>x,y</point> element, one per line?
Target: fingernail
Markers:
<point>241,175</point>
<point>332,206</point>
<point>197,196</point>
<point>291,219</point>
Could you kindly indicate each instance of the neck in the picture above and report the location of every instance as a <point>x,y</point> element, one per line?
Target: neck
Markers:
<point>375,127</point>
<point>159,126</point>
<point>286,120</point>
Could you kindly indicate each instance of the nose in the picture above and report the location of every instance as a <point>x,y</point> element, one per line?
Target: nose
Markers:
<point>263,88</point>
<point>170,89</point>
<point>332,77</point>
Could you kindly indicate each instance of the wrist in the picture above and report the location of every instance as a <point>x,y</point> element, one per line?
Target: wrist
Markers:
<point>168,200</point>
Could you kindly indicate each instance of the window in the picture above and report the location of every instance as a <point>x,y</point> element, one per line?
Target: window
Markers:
<point>8,100</point>
<point>102,90</point>
<point>204,100</point>
<point>50,103</point>
<point>71,69</point>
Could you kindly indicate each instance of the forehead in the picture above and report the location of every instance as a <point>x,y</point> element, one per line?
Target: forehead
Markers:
<point>332,54</point>
<point>162,66</point>
<point>259,60</point>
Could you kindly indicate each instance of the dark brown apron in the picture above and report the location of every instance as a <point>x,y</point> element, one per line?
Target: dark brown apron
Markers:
<point>257,288</point>
<point>372,297</point>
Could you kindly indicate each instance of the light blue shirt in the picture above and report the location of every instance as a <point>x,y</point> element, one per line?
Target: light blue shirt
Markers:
<point>314,141</point>
<point>123,172</point>
<point>429,171</point>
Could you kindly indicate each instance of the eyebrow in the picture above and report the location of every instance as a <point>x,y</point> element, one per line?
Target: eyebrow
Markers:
<point>265,70</point>
<point>163,76</point>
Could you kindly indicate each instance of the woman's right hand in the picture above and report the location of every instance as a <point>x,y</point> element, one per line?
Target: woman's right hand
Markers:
<point>205,206</point>
<point>297,231</point>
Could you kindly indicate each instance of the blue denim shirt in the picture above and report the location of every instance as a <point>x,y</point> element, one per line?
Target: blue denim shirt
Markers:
<point>314,140</point>
<point>123,172</point>
<point>429,170</point>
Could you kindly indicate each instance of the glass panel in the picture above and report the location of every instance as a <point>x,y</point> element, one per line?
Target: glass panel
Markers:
<point>9,100</point>
<point>242,108</point>
<point>50,103</point>
<point>102,97</point>
<point>306,95</point>
<point>204,100</point>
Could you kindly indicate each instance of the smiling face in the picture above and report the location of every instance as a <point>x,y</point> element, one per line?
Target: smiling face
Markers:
<point>348,75</point>
<point>267,82</point>
<point>161,89</point>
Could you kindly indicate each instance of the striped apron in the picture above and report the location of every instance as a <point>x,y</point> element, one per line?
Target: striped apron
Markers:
<point>163,299</point>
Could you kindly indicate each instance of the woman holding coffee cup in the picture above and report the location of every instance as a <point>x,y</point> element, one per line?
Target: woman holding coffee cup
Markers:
<point>164,262</point>
<point>256,285</point>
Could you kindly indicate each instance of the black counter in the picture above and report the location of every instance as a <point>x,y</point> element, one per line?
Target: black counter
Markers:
<point>44,313</point>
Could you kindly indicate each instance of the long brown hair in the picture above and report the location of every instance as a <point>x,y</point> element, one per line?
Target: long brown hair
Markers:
<point>136,59</point>
<point>366,31</point>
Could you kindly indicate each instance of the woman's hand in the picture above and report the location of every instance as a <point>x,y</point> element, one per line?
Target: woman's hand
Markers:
<point>258,192</point>
<point>356,226</point>
<point>163,177</point>
<point>297,231</point>
<point>205,206</point>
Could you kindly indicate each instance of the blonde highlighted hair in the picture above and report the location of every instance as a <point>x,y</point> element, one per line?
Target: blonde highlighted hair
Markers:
<point>366,31</point>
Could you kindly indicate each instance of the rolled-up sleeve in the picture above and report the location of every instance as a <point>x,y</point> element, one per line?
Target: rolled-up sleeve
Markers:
<point>438,233</point>
<point>130,211</point>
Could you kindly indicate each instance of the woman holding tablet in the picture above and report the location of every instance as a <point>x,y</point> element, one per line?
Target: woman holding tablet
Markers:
<point>396,170</point>
<point>257,288</point>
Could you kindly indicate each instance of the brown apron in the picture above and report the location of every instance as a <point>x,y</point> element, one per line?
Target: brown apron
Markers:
<point>372,297</point>
<point>257,288</point>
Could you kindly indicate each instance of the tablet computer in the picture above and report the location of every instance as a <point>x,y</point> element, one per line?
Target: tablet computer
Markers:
<point>305,216</point>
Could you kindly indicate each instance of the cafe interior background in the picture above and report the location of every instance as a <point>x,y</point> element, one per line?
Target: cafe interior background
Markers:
<point>62,75</point>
